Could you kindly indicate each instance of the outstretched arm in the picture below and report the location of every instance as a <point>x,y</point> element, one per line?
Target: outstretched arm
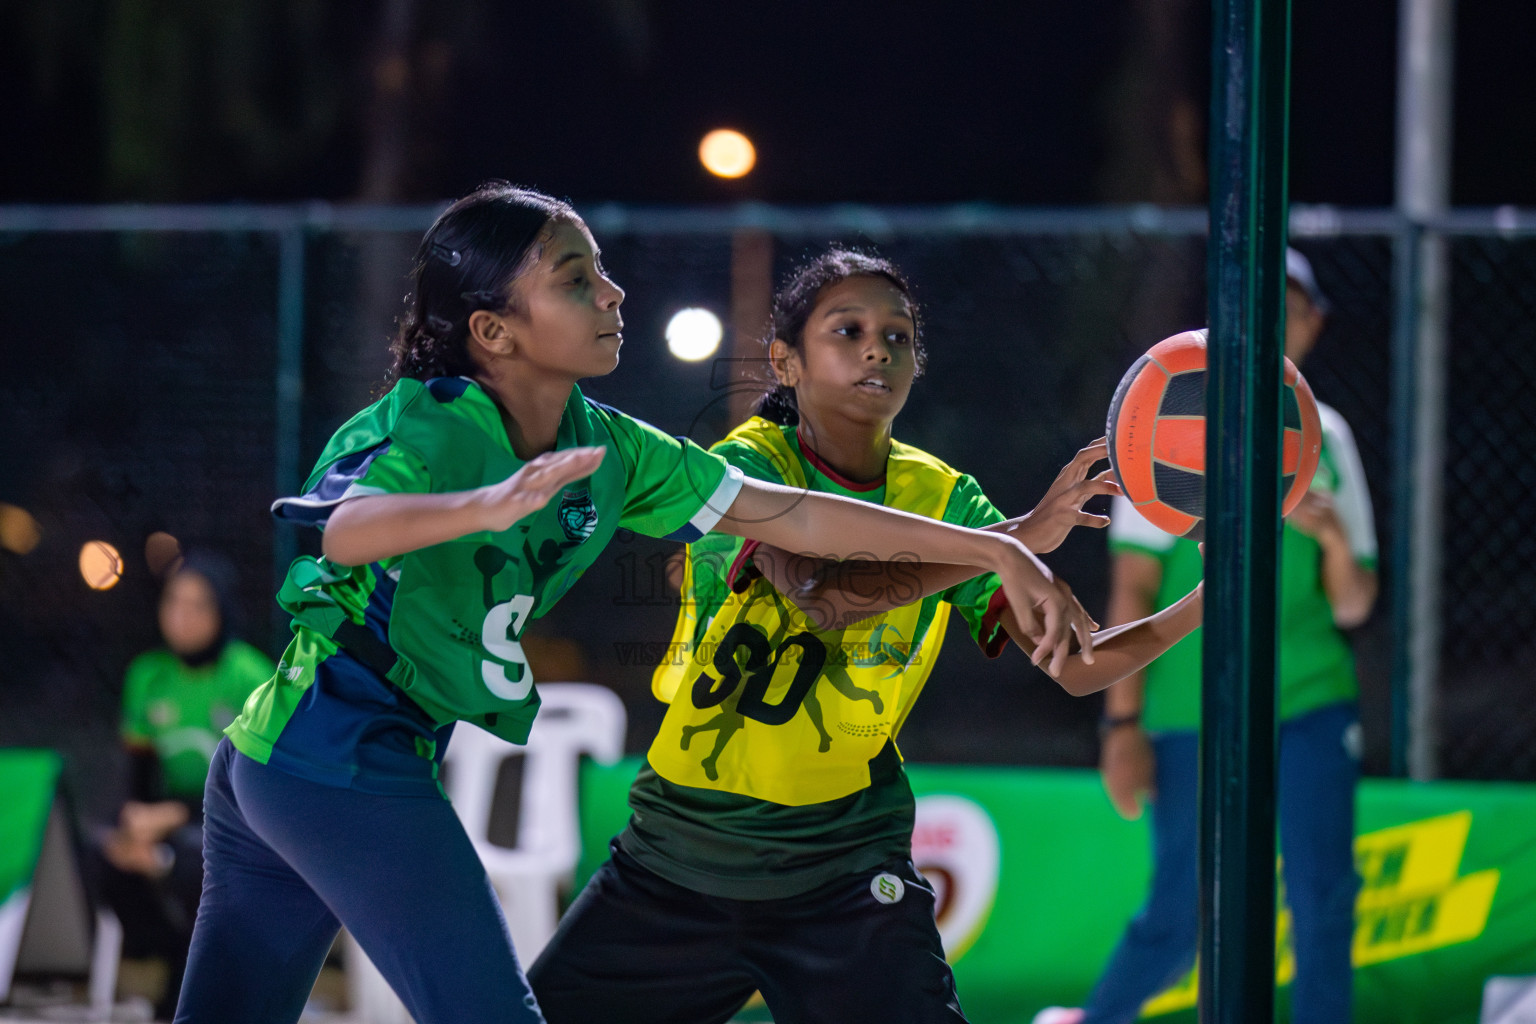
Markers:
<point>795,519</point>
<point>378,526</point>
<point>858,590</point>
<point>1124,650</point>
<point>839,593</point>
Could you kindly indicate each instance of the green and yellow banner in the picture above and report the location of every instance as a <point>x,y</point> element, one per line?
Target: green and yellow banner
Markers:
<point>28,780</point>
<point>1036,877</point>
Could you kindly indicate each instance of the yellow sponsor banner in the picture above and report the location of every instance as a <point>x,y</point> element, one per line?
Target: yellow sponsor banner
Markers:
<point>1411,901</point>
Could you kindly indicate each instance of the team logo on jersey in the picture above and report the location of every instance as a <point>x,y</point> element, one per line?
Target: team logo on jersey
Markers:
<point>880,649</point>
<point>887,888</point>
<point>578,516</point>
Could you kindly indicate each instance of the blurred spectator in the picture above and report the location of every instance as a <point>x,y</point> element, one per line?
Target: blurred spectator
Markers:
<point>176,702</point>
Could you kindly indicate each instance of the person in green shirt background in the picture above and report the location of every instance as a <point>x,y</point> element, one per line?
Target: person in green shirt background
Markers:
<point>1151,724</point>
<point>177,700</point>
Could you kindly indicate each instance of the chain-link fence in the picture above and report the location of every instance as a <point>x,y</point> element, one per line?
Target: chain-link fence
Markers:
<point>1488,602</point>
<point>141,391</point>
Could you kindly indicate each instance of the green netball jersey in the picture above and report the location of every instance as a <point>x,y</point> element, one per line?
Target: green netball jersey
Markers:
<point>181,710</point>
<point>451,614</point>
<point>1317,667</point>
<point>726,843</point>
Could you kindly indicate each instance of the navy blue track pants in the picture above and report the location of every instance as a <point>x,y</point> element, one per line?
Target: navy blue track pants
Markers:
<point>287,861</point>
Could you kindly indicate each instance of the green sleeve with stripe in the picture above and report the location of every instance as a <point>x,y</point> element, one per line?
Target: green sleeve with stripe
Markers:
<point>670,480</point>
<point>394,471</point>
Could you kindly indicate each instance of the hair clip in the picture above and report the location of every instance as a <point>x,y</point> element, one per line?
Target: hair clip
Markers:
<point>452,257</point>
<point>482,299</point>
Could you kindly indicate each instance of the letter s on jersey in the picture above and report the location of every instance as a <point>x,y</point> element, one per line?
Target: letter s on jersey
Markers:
<point>503,622</point>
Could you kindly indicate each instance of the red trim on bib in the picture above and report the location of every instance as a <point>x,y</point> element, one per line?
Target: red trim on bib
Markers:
<point>832,474</point>
<point>992,637</point>
<point>740,563</point>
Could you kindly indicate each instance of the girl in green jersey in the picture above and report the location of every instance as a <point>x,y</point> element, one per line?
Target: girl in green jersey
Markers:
<point>459,506</point>
<point>770,845</point>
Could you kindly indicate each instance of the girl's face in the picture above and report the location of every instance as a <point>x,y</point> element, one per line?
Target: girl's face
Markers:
<point>857,358</point>
<point>567,309</point>
<point>1303,323</point>
<point>189,614</point>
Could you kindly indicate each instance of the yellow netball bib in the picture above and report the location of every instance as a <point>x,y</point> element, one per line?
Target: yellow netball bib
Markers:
<point>765,706</point>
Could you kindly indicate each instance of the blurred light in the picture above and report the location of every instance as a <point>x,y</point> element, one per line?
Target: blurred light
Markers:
<point>19,532</point>
<point>100,565</point>
<point>693,334</point>
<point>161,551</point>
<point>726,153</point>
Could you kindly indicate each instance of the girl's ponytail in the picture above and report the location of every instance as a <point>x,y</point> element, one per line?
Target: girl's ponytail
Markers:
<point>778,405</point>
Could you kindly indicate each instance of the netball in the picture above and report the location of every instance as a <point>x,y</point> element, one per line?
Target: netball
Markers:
<point>1156,433</point>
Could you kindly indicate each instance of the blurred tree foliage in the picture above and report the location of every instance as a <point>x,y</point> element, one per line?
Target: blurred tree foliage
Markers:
<point>1154,106</point>
<point>190,99</point>
<point>187,81</point>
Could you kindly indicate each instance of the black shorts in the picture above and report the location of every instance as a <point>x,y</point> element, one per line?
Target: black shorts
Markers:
<point>637,948</point>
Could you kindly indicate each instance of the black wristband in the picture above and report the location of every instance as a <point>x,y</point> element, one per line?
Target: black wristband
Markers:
<point>1108,725</point>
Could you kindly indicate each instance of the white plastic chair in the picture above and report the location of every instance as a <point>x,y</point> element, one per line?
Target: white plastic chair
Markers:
<point>574,719</point>
<point>48,923</point>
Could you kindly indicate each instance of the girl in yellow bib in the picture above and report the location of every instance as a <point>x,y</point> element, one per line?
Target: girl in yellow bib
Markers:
<point>773,799</point>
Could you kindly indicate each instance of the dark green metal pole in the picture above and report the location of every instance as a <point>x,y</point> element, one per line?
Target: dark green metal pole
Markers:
<point>1246,270</point>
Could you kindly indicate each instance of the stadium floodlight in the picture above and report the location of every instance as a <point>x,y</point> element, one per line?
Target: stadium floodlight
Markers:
<point>726,153</point>
<point>694,334</point>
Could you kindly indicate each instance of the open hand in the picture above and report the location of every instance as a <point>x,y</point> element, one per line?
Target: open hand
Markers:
<point>531,488</point>
<point>134,856</point>
<point>151,822</point>
<point>1315,515</point>
<point>1062,507</point>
